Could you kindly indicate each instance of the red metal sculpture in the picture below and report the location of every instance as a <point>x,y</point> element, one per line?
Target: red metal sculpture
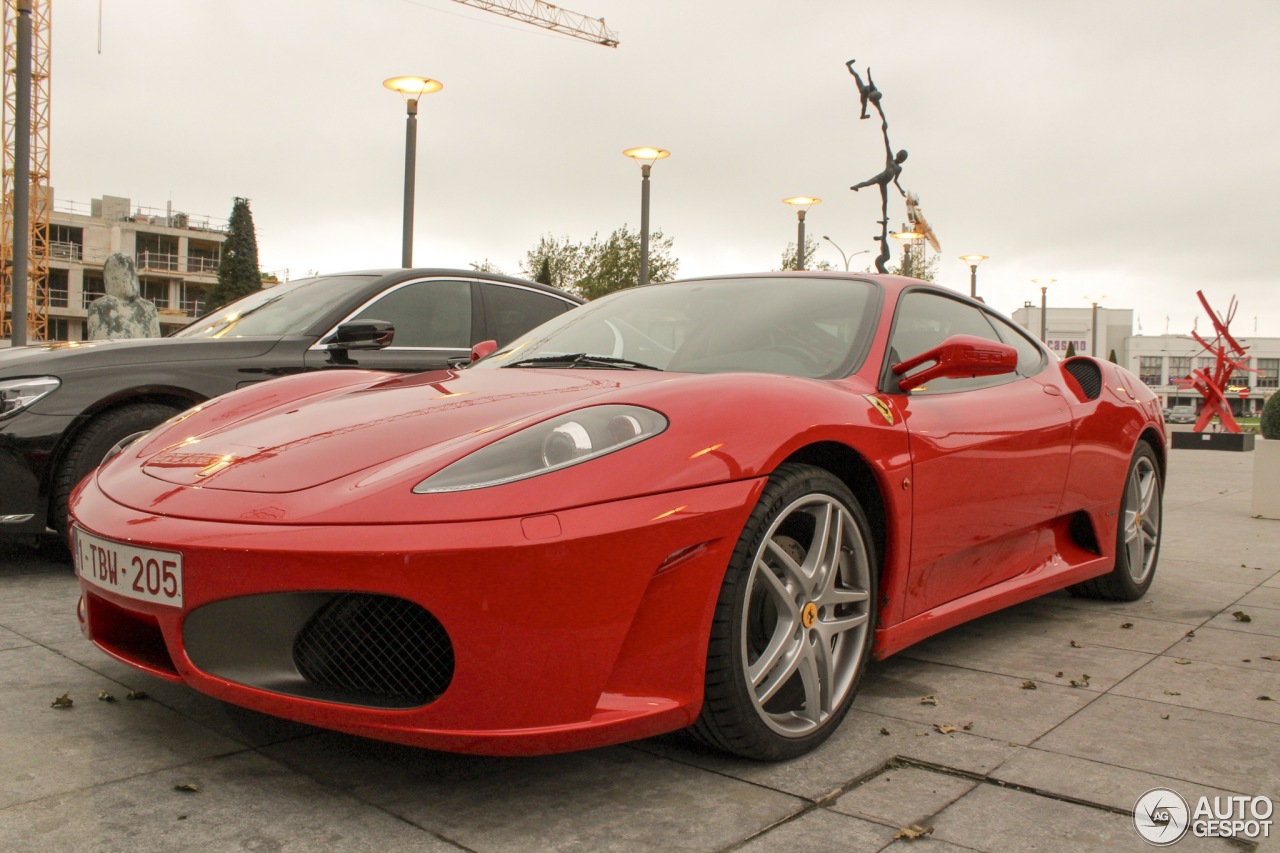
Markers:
<point>1212,385</point>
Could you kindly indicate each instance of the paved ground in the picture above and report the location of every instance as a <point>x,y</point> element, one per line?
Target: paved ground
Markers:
<point>1172,699</point>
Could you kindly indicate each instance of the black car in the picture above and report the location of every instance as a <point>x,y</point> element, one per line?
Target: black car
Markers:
<point>63,406</point>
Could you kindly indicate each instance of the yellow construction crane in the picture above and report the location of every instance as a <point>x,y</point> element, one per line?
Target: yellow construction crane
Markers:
<point>40,200</point>
<point>549,17</point>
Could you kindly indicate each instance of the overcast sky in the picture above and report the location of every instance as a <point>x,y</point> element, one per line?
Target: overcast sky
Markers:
<point>1127,148</point>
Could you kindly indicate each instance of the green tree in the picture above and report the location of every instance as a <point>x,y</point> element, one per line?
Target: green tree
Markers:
<point>1269,422</point>
<point>1071,349</point>
<point>487,266</point>
<point>238,273</point>
<point>614,263</point>
<point>555,261</point>
<point>914,264</point>
<point>1112,358</point>
<point>544,272</point>
<point>810,248</point>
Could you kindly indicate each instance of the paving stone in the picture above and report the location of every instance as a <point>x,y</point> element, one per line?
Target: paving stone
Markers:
<point>1250,576</point>
<point>10,640</point>
<point>243,802</point>
<point>1263,596</point>
<point>903,796</point>
<point>56,750</point>
<point>1230,648</point>
<point>820,831</point>
<point>41,606</point>
<point>1262,620</point>
<point>602,800</point>
<point>1208,686</point>
<point>1218,750</point>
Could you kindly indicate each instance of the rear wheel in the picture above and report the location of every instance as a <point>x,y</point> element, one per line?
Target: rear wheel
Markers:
<point>1138,536</point>
<point>793,625</point>
<point>90,447</point>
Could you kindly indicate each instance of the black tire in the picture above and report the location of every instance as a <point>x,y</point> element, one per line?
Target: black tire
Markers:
<point>807,637</point>
<point>92,444</point>
<point>1137,533</point>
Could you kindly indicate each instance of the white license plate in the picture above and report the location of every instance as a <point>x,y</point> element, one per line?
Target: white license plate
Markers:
<point>140,573</point>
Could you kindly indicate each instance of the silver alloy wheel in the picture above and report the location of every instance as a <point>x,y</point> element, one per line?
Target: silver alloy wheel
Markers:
<point>806,615</point>
<point>1142,518</point>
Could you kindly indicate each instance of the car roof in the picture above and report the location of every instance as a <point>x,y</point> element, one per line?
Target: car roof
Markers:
<point>395,274</point>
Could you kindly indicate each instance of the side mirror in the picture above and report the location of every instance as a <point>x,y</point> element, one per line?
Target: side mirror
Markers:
<point>482,349</point>
<point>958,357</point>
<point>362,334</point>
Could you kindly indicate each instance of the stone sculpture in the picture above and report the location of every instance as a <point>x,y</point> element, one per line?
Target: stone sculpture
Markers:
<point>122,313</point>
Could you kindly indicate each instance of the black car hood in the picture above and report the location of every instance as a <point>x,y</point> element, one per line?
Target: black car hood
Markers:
<point>61,358</point>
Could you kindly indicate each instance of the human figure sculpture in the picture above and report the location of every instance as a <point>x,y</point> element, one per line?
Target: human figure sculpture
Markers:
<point>122,313</point>
<point>868,94</point>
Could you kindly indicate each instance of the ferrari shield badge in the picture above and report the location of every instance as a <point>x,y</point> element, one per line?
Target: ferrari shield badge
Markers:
<point>882,406</point>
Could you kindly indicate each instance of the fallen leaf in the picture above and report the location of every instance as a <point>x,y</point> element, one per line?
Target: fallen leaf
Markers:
<point>1028,685</point>
<point>1182,661</point>
<point>911,833</point>
<point>186,788</point>
<point>1164,716</point>
<point>63,701</point>
<point>1241,616</point>
<point>883,730</point>
<point>1271,657</point>
<point>928,700</point>
<point>1265,699</point>
<point>1057,675</point>
<point>1246,660</point>
<point>137,694</point>
<point>946,730</point>
<point>104,696</point>
<point>1127,625</point>
<point>1190,634</point>
<point>1083,681</point>
<point>1076,645</point>
<point>968,727</point>
<point>1172,693</point>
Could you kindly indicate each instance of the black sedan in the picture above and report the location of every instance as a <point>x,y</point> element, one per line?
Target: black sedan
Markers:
<point>63,406</point>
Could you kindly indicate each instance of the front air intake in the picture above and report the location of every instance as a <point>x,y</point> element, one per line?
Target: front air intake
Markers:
<point>375,646</point>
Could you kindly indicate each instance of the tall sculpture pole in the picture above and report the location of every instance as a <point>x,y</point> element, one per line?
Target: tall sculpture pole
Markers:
<point>868,94</point>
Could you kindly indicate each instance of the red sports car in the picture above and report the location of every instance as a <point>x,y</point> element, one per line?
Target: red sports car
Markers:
<point>698,504</point>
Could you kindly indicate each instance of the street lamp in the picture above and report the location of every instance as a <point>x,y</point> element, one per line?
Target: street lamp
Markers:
<point>411,88</point>
<point>844,257</point>
<point>973,261</point>
<point>646,157</point>
<point>908,239</point>
<point>1044,289</point>
<point>800,203</point>
<point>1093,328</point>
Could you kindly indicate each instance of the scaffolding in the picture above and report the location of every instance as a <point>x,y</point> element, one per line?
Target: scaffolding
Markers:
<point>41,196</point>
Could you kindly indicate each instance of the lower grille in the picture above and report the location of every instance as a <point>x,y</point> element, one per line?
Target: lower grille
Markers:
<point>376,646</point>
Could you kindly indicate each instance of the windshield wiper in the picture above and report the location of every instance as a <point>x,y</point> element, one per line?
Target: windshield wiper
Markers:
<point>581,359</point>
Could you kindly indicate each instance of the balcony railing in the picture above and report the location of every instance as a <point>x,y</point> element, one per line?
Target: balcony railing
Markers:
<point>148,260</point>
<point>62,251</point>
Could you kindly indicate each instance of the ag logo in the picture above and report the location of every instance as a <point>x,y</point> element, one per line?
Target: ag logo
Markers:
<point>1161,816</point>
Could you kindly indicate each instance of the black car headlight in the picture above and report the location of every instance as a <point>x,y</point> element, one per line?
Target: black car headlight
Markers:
<point>548,446</point>
<point>18,394</point>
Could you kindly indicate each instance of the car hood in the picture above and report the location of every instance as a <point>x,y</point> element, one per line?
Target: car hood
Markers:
<point>57,358</point>
<point>427,417</point>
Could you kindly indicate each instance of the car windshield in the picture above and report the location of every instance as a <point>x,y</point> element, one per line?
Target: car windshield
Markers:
<point>287,308</point>
<point>812,327</point>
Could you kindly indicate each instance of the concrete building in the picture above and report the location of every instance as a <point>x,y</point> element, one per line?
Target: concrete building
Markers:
<point>1159,360</point>
<point>176,254</point>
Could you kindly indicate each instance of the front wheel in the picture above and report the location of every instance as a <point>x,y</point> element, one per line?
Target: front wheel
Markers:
<point>1138,536</point>
<point>793,625</point>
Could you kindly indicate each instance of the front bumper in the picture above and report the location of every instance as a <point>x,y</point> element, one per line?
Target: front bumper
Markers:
<point>567,631</point>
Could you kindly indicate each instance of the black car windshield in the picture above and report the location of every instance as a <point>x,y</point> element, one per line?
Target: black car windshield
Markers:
<point>813,327</point>
<point>285,309</point>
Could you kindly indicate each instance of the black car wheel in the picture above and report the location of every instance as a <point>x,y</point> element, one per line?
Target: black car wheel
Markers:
<point>93,443</point>
<point>1137,536</point>
<point>793,624</point>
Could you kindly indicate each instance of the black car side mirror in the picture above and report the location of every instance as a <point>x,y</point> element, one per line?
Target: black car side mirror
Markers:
<point>362,334</point>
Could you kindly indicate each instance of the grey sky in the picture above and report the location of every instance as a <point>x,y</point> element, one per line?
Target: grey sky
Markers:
<point>1125,148</point>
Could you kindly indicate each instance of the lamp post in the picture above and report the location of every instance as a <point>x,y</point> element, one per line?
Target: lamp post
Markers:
<point>843,256</point>
<point>1093,324</point>
<point>800,204</point>
<point>1044,290</point>
<point>973,261</point>
<point>646,157</point>
<point>411,88</point>
<point>908,239</point>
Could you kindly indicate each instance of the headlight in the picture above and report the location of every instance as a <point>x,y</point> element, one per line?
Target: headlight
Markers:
<point>17,394</point>
<point>549,446</point>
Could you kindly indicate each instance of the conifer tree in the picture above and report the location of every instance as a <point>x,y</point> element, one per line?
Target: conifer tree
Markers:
<point>238,273</point>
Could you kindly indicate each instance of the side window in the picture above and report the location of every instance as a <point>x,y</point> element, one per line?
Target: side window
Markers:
<point>426,314</point>
<point>926,319</point>
<point>1030,358</point>
<point>512,311</point>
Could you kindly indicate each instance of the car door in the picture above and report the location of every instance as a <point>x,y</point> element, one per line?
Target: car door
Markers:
<point>435,321</point>
<point>989,454</point>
